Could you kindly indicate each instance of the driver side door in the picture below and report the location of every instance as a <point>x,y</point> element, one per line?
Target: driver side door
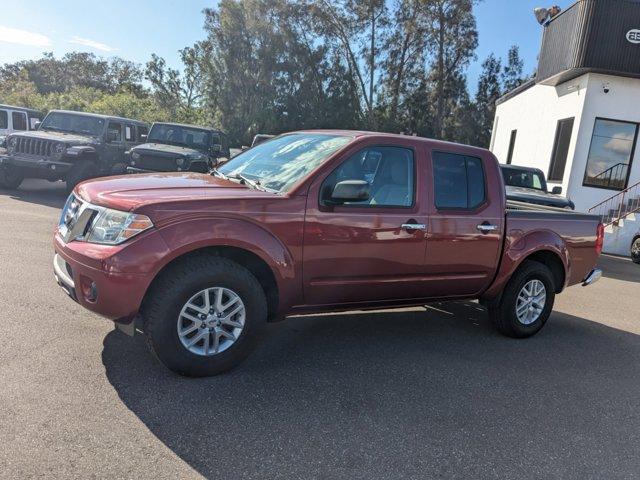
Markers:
<point>371,250</point>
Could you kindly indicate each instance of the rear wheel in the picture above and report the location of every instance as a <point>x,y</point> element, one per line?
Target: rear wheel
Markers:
<point>11,178</point>
<point>635,250</point>
<point>82,171</point>
<point>204,315</point>
<point>526,302</point>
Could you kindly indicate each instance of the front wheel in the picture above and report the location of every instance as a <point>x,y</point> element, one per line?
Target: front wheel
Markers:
<point>10,178</point>
<point>635,250</point>
<point>204,315</point>
<point>526,302</point>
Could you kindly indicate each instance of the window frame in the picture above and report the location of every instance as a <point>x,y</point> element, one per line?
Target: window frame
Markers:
<point>554,151</point>
<point>484,180</point>
<point>108,126</point>
<point>325,206</point>
<point>513,136</point>
<point>631,154</point>
<point>16,113</point>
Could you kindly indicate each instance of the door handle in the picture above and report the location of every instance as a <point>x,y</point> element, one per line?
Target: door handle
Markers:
<point>486,227</point>
<point>413,226</point>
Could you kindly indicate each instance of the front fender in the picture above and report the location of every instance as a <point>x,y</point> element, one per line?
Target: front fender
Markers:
<point>80,150</point>
<point>518,247</point>
<point>198,233</point>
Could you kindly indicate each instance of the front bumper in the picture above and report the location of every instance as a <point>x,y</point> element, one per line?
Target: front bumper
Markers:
<point>592,278</point>
<point>38,164</point>
<point>88,273</point>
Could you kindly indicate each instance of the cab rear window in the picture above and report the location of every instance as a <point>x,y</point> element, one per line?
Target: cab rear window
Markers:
<point>458,181</point>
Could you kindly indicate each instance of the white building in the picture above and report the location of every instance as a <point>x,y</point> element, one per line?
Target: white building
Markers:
<point>578,121</point>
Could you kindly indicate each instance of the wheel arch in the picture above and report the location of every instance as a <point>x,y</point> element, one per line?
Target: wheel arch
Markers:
<point>250,260</point>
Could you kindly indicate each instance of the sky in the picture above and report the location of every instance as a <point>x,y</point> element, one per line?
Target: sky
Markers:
<point>135,29</point>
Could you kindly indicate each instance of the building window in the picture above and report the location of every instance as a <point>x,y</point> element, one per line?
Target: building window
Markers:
<point>609,161</point>
<point>512,144</point>
<point>560,150</point>
<point>458,181</point>
<point>494,132</point>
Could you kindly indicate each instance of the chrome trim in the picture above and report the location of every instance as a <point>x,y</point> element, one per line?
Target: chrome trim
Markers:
<point>487,228</point>
<point>413,226</point>
<point>593,277</point>
<point>61,272</point>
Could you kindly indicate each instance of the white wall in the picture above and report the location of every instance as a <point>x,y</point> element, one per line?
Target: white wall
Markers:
<point>535,114</point>
<point>621,103</point>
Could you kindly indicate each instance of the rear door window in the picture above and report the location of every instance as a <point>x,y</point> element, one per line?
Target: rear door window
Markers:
<point>19,120</point>
<point>114,132</point>
<point>4,119</point>
<point>459,181</point>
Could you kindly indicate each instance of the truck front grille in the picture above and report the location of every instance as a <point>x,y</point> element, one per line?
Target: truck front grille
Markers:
<point>35,146</point>
<point>159,164</point>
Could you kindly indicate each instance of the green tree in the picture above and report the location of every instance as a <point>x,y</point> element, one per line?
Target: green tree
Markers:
<point>512,76</point>
<point>489,90</point>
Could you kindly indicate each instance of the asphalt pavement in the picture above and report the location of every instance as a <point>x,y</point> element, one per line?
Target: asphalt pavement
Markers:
<point>408,394</point>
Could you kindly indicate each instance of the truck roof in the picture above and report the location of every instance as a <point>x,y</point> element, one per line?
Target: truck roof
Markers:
<point>21,109</point>
<point>364,133</point>
<point>100,115</point>
<point>186,125</point>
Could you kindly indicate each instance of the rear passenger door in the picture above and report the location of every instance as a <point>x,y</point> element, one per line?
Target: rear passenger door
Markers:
<point>466,223</point>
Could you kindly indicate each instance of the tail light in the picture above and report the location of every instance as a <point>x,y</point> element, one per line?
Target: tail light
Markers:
<point>599,238</point>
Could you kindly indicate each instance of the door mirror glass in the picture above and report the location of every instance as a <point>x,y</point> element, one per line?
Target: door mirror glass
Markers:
<point>556,190</point>
<point>350,191</point>
<point>36,125</point>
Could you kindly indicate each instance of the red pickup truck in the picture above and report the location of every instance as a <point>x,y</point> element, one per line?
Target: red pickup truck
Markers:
<point>311,222</point>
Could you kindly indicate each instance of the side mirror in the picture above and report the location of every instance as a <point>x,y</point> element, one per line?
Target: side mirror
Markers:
<point>112,136</point>
<point>143,137</point>
<point>216,148</point>
<point>556,190</point>
<point>350,191</point>
<point>36,125</point>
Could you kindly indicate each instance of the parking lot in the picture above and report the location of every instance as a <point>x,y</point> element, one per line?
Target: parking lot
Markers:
<point>412,393</point>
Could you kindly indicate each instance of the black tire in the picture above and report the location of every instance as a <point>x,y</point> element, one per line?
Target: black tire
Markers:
<point>176,286</point>
<point>504,315</point>
<point>82,171</point>
<point>10,178</point>
<point>635,250</point>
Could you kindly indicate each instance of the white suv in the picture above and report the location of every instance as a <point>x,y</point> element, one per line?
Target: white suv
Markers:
<point>17,118</point>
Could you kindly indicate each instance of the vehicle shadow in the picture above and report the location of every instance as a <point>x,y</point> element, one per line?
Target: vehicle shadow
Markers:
<point>409,394</point>
<point>41,192</point>
<point>619,268</point>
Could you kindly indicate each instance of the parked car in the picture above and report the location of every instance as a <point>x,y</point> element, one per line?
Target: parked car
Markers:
<point>312,222</point>
<point>70,146</point>
<point>635,249</point>
<point>17,119</point>
<point>174,147</point>
<point>524,184</point>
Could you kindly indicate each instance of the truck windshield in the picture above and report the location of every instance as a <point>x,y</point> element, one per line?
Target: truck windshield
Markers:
<point>279,163</point>
<point>71,123</point>
<point>180,136</point>
<point>514,177</point>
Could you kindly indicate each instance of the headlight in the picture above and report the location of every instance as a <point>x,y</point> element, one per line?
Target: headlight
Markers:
<point>13,142</point>
<point>112,227</point>
<point>135,155</point>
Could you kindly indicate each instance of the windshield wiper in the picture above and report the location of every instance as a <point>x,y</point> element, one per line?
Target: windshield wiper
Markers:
<point>252,183</point>
<point>218,173</point>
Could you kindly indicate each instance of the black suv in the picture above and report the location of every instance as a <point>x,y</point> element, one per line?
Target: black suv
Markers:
<point>70,146</point>
<point>174,147</point>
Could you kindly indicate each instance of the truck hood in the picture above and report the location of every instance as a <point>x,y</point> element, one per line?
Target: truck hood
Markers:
<point>129,192</point>
<point>68,138</point>
<point>162,149</point>
<point>532,195</point>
